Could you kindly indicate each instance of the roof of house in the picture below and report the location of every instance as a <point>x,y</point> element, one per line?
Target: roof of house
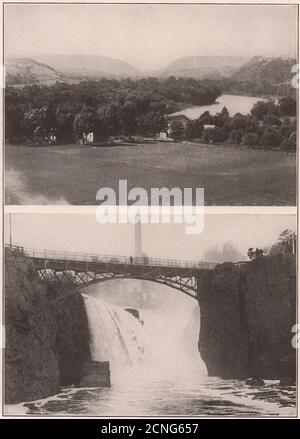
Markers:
<point>181,117</point>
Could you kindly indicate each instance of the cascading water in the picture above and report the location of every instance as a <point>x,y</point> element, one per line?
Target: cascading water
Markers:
<point>116,335</point>
<point>154,347</point>
<point>155,367</point>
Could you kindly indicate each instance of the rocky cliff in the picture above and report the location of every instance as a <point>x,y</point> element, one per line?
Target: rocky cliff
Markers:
<point>247,313</point>
<point>45,344</point>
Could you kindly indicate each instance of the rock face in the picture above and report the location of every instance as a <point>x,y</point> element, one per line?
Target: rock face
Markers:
<point>95,374</point>
<point>247,314</point>
<point>133,312</point>
<point>45,345</point>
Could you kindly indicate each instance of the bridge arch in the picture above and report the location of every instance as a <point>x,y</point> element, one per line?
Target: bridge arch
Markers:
<point>187,286</point>
<point>71,272</point>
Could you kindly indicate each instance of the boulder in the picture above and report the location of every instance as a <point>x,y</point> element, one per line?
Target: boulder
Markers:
<point>95,374</point>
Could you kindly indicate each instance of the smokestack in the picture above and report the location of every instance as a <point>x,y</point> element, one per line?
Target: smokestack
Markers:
<point>138,237</point>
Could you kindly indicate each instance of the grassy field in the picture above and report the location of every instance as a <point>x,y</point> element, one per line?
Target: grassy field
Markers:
<point>72,174</point>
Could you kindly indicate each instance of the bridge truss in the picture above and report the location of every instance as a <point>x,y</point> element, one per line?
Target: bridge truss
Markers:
<point>72,272</point>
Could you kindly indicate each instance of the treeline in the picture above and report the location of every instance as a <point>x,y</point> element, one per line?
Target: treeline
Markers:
<point>262,77</point>
<point>256,88</point>
<point>269,125</point>
<point>105,107</point>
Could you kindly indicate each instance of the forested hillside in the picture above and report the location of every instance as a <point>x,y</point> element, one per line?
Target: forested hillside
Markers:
<point>106,107</point>
<point>262,76</point>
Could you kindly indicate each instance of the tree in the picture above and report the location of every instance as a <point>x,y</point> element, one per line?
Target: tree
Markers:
<point>128,115</point>
<point>235,137</point>
<point>193,129</point>
<point>292,141</point>
<point>206,118</point>
<point>255,254</point>
<point>118,102</point>
<point>176,129</point>
<point>33,119</point>
<point>109,118</point>
<point>251,124</point>
<point>14,126</point>
<point>227,253</point>
<point>250,139</point>
<point>287,106</point>
<point>286,243</point>
<point>270,119</point>
<point>64,121</point>
<point>287,240</point>
<point>289,142</point>
<point>239,122</point>
<point>223,116</point>
<point>271,138</point>
<point>151,124</point>
<point>262,108</point>
<point>214,135</point>
<point>86,121</point>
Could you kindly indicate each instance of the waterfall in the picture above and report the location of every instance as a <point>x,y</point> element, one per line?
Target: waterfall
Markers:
<point>155,346</point>
<point>115,335</point>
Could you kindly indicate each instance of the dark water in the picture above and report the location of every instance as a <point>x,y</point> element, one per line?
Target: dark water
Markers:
<point>200,396</point>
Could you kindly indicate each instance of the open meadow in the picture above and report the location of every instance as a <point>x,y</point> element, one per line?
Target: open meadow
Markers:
<point>230,175</point>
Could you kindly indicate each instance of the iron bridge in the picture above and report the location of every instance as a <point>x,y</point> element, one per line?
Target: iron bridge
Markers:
<point>70,272</point>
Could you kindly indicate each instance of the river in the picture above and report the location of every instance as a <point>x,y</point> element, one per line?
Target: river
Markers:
<point>233,103</point>
<point>156,370</point>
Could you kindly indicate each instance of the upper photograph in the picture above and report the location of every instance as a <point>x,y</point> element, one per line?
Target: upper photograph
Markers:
<point>127,98</point>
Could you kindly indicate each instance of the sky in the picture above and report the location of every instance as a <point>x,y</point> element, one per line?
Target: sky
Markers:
<point>150,36</point>
<point>82,233</point>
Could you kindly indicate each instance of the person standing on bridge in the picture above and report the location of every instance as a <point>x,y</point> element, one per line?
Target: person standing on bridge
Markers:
<point>131,260</point>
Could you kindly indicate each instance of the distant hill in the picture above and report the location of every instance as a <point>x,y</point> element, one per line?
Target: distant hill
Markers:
<point>275,71</point>
<point>89,66</point>
<point>50,69</point>
<point>265,75</point>
<point>202,67</point>
<point>29,71</point>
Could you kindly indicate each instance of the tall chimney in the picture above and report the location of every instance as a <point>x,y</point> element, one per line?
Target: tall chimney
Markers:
<point>138,237</point>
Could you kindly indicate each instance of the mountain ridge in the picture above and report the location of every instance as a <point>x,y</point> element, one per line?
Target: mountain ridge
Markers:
<point>203,67</point>
<point>78,65</point>
<point>69,68</point>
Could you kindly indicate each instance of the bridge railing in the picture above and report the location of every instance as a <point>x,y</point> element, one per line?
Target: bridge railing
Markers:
<point>17,249</point>
<point>115,259</point>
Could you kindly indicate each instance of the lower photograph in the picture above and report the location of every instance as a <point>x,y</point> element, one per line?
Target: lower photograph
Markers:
<point>142,319</point>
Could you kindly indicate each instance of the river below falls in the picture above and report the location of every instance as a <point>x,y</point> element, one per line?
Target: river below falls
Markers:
<point>193,396</point>
<point>156,370</point>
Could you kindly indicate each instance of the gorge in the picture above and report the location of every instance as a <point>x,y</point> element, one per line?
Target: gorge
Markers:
<point>247,313</point>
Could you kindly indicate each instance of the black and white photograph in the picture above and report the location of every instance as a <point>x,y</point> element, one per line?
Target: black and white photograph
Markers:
<point>98,326</point>
<point>150,174</point>
<point>158,95</point>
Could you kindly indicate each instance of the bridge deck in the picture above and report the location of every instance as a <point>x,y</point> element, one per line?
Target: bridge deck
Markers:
<point>98,263</point>
<point>72,271</point>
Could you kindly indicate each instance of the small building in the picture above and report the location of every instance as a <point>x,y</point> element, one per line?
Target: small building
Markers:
<point>88,138</point>
<point>178,118</point>
<point>209,127</point>
<point>43,135</point>
<point>163,135</point>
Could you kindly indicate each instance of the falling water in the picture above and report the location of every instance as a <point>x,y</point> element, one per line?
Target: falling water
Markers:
<point>156,368</point>
<point>115,335</point>
<point>153,346</point>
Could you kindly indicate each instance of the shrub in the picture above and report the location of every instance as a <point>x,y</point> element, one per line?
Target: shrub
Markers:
<point>250,139</point>
<point>271,138</point>
<point>214,135</point>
